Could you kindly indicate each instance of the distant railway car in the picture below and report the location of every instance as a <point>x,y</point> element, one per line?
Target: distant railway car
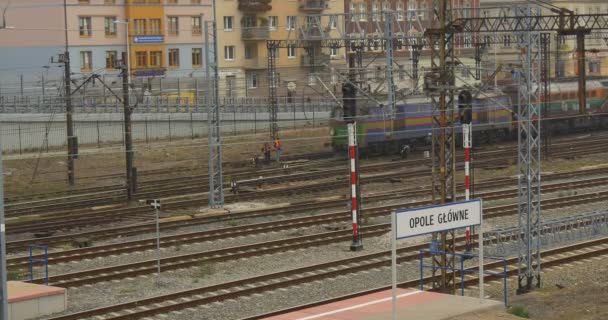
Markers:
<point>563,108</point>
<point>492,116</point>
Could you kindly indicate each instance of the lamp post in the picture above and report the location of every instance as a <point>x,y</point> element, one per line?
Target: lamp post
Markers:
<point>126,23</point>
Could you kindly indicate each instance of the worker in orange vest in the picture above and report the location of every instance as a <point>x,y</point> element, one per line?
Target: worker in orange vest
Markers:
<point>277,148</point>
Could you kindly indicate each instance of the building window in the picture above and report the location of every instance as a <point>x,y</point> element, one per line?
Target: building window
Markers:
<point>197,57</point>
<point>109,2</point>
<point>291,22</point>
<point>253,81</point>
<point>156,58</point>
<point>251,51</point>
<point>401,73</point>
<point>195,1</point>
<point>506,41</point>
<point>111,60</point>
<point>376,11</point>
<point>86,60</point>
<point>155,27</point>
<point>139,26</point>
<point>594,66</point>
<point>110,26</point>
<point>230,85</point>
<point>173,25</point>
<point>84,24</point>
<point>273,22</point>
<point>400,13</point>
<point>291,51</point>
<point>422,13</point>
<point>141,59</point>
<point>412,10</point>
<point>353,12</point>
<point>173,57</point>
<point>363,11</point>
<point>195,22</point>
<point>333,52</point>
<point>229,53</point>
<point>467,41</point>
<point>333,22</point>
<point>385,7</point>
<point>172,1</point>
<point>228,23</point>
<point>249,21</point>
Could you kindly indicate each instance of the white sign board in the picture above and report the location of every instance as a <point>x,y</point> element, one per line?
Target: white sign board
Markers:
<point>453,215</point>
<point>419,221</point>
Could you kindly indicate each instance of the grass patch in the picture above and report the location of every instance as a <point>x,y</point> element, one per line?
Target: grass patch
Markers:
<point>519,310</point>
<point>15,275</point>
<point>232,223</point>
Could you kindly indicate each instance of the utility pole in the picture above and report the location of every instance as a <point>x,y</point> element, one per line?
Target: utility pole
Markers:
<point>128,136</point>
<point>72,140</point>
<point>3,269</point>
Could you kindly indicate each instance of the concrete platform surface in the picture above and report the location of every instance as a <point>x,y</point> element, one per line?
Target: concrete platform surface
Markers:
<point>27,300</point>
<point>412,304</point>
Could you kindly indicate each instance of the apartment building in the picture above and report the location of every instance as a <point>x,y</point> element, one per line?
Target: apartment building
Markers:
<point>564,57</point>
<point>244,26</point>
<point>410,17</point>
<point>165,36</point>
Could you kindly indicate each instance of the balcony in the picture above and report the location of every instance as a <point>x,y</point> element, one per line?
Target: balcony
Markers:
<point>254,6</point>
<point>254,33</point>
<point>313,5</point>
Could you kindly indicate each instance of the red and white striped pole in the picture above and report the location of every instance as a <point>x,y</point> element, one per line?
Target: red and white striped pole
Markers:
<point>466,132</point>
<point>354,184</point>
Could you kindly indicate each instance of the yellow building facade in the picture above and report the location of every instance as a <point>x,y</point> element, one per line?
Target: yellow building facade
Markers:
<point>244,26</point>
<point>147,29</point>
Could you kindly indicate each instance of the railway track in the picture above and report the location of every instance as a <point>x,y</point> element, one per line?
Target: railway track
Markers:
<point>302,207</point>
<point>291,209</point>
<point>263,283</point>
<point>199,184</point>
<point>77,218</point>
<point>183,261</point>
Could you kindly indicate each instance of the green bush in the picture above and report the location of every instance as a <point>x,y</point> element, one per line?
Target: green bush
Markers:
<point>519,310</point>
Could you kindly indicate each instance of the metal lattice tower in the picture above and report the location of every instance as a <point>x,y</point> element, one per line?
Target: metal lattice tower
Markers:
<point>529,148</point>
<point>389,44</point>
<point>216,192</point>
<point>440,87</point>
<point>272,90</point>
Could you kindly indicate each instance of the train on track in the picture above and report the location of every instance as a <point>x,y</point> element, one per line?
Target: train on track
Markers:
<point>494,117</point>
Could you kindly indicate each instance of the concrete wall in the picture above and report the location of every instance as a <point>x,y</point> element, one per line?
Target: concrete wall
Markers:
<point>25,133</point>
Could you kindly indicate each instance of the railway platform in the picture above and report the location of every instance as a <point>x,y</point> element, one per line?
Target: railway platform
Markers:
<point>28,300</point>
<point>412,304</point>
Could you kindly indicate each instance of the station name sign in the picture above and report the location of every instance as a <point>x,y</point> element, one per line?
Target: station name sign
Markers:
<point>419,221</point>
<point>148,39</point>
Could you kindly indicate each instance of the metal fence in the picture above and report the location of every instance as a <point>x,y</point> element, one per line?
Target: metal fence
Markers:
<point>41,132</point>
<point>505,241</point>
<point>155,104</point>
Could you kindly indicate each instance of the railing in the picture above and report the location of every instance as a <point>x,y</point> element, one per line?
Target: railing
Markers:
<point>254,33</point>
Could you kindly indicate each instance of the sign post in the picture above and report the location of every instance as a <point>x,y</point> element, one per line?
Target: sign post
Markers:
<point>426,220</point>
